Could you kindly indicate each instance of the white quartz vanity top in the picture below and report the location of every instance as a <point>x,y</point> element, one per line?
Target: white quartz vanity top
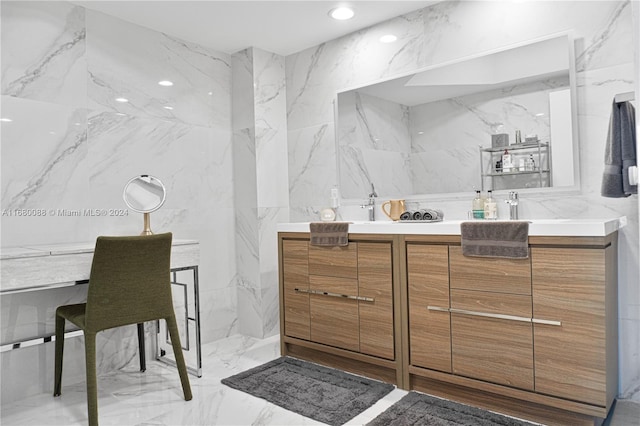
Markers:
<point>537,227</point>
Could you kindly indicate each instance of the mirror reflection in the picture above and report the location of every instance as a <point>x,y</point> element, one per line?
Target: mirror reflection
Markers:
<point>445,129</point>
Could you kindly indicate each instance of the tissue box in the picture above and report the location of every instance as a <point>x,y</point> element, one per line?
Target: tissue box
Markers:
<point>499,140</point>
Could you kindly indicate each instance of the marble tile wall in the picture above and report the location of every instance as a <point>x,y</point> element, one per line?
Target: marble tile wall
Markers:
<point>455,29</point>
<point>71,146</point>
<point>262,196</point>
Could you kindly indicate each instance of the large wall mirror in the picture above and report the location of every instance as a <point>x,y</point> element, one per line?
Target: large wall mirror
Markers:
<point>430,133</point>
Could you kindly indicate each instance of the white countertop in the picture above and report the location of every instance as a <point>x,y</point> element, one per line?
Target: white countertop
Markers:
<point>537,227</point>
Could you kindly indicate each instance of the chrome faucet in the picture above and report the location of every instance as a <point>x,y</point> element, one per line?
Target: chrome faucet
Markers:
<point>513,202</point>
<point>371,205</point>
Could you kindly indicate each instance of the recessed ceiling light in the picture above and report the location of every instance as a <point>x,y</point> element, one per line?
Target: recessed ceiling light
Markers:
<point>122,100</point>
<point>389,38</point>
<point>341,13</point>
<point>165,83</point>
<point>168,107</point>
<point>6,120</point>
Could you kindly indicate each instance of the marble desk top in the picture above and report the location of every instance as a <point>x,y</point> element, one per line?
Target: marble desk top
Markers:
<point>56,265</point>
<point>60,249</point>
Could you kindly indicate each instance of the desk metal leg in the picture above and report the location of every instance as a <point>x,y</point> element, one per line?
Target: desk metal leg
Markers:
<point>143,362</point>
<point>194,319</point>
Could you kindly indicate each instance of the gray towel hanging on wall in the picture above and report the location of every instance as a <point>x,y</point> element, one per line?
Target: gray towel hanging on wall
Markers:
<point>620,152</point>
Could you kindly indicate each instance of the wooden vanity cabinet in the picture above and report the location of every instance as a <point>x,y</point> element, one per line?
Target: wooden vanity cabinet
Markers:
<point>338,304</point>
<point>535,338</point>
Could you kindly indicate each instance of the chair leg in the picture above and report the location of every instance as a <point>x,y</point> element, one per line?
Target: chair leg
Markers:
<point>172,326</point>
<point>143,362</point>
<point>57,387</point>
<point>92,380</point>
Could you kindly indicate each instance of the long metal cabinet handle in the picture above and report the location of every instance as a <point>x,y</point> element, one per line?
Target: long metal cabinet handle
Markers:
<point>326,293</point>
<point>497,316</point>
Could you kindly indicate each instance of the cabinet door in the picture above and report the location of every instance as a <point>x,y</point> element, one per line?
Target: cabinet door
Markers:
<point>295,265</point>
<point>491,337</point>
<point>375,282</point>
<point>429,330</point>
<point>334,319</point>
<point>570,359</point>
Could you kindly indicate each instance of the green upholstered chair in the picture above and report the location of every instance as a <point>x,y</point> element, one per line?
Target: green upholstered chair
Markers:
<point>129,284</point>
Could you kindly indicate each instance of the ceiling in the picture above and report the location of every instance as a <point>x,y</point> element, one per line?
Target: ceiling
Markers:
<point>281,27</point>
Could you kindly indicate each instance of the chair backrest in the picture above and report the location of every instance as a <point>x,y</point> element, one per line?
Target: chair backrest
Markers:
<point>130,281</point>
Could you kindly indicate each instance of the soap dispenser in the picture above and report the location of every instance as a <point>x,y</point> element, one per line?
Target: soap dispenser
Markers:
<point>490,207</point>
<point>477,206</point>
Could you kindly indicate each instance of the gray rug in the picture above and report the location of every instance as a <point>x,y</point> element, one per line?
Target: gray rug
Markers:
<point>324,394</point>
<point>420,409</point>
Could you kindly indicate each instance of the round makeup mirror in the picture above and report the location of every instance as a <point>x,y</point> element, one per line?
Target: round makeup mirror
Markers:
<point>144,194</point>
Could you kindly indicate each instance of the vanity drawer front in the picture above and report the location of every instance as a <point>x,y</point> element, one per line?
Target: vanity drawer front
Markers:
<point>489,273</point>
<point>334,261</point>
<point>496,349</point>
<point>334,319</point>
<point>295,267</point>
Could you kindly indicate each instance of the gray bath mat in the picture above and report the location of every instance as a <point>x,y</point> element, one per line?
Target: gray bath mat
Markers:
<point>324,394</point>
<point>420,409</point>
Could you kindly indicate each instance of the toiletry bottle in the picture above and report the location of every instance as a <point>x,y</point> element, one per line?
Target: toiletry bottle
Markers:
<point>530,165</point>
<point>507,164</point>
<point>490,207</point>
<point>518,137</point>
<point>477,206</point>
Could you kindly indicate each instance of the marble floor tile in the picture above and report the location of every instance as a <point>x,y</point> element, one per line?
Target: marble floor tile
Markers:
<point>155,397</point>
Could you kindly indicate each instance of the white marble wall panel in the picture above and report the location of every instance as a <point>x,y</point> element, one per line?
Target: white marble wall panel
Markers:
<point>453,30</point>
<point>57,77</point>
<point>180,155</point>
<point>262,196</point>
<point>44,171</point>
<point>272,178</point>
<point>43,52</point>
<point>128,61</point>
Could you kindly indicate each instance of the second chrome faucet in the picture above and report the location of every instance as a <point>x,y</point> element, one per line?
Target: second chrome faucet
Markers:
<point>371,205</point>
<point>513,202</point>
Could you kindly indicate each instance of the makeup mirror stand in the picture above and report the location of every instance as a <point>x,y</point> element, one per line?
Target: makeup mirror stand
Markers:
<point>144,194</point>
<point>147,224</point>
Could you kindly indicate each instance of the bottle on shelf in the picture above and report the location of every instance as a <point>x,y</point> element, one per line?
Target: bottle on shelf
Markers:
<point>530,164</point>
<point>490,207</point>
<point>477,206</point>
<point>507,163</point>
